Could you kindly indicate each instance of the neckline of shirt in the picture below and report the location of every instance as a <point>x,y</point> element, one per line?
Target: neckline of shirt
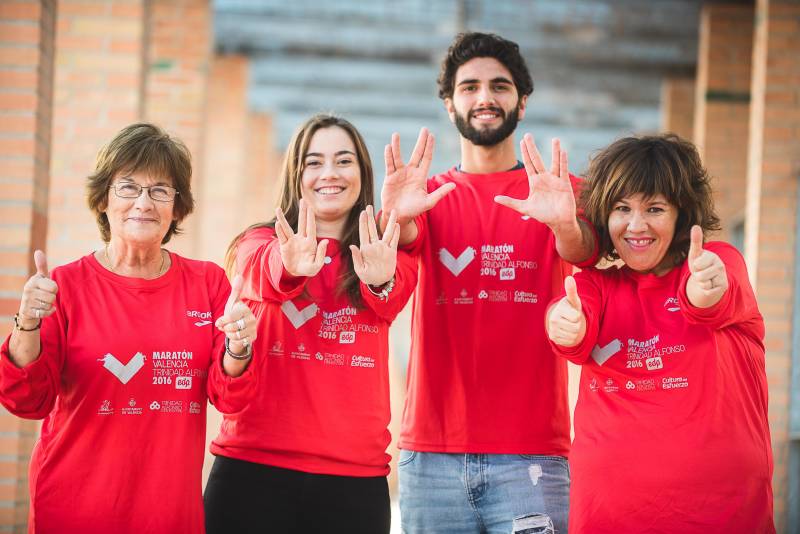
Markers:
<point>135,282</point>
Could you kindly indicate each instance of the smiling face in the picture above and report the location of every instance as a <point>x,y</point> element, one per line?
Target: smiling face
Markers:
<point>139,221</point>
<point>331,177</point>
<point>641,230</point>
<point>485,105</point>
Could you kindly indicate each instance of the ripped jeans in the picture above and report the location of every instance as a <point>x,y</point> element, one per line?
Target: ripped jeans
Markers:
<point>483,493</point>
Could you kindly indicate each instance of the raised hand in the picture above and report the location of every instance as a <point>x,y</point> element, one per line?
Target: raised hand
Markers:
<point>376,258</point>
<point>709,279</point>
<point>405,186</point>
<point>300,252</point>
<point>566,323</point>
<point>550,200</point>
<point>238,321</point>
<point>38,294</point>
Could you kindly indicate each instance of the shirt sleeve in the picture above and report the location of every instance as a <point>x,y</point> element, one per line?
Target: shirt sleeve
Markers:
<point>737,305</point>
<point>228,394</point>
<point>405,280</point>
<point>258,259</point>
<point>578,184</point>
<point>590,293</point>
<point>30,392</point>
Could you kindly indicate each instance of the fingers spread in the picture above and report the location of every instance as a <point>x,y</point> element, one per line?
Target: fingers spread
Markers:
<point>390,227</point>
<point>434,197</point>
<point>363,231</point>
<point>358,259</point>
<point>555,161</point>
<point>397,157</point>
<point>513,203</point>
<point>373,229</point>
<point>419,148</point>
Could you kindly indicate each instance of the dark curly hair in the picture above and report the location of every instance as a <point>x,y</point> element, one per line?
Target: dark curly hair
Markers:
<point>467,46</point>
<point>650,165</point>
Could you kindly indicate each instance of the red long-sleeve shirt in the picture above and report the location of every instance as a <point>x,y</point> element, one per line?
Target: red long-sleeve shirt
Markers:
<point>323,402</point>
<point>482,377</point>
<point>671,430</point>
<point>122,381</point>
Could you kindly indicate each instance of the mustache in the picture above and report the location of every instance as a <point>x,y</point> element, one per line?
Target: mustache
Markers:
<point>494,109</point>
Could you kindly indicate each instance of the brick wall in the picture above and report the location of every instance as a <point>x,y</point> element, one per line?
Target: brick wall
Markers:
<point>221,193</point>
<point>176,81</point>
<point>98,90</point>
<point>722,99</point>
<point>26,85</point>
<point>677,106</point>
<point>773,172</point>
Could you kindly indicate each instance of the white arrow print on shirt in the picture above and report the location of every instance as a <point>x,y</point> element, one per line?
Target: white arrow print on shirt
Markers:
<point>602,354</point>
<point>456,265</point>
<point>296,317</point>
<point>123,372</point>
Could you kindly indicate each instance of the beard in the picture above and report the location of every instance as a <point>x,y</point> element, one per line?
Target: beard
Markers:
<point>487,136</point>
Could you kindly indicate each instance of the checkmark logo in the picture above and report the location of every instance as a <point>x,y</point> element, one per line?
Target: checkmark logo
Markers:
<point>123,372</point>
<point>602,354</point>
<point>456,265</point>
<point>297,317</point>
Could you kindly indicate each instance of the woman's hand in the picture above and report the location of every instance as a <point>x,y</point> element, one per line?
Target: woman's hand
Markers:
<point>566,323</point>
<point>38,294</point>
<point>375,260</point>
<point>240,327</point>
<point>300,252</point>
<point>709,279</point>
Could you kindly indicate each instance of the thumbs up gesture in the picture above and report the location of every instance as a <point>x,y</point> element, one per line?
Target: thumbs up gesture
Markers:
<point>709,279</point>
<point>238,321</point>
<point>566,323</point>
<point>38,295</point>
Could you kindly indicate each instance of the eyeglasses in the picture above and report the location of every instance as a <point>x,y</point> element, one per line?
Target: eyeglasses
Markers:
<point>160,193</point>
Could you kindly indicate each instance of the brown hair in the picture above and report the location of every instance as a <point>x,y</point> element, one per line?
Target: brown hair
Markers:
<point>467,46</point>
<point>291,178</point>
<point>650,165</point>
<point>147,148</point>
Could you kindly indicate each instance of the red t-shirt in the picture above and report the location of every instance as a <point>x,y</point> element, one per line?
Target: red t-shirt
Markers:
<point>323,401</point>
<point>482,377</point>
<point>671,430</point>
<point>122,381</point>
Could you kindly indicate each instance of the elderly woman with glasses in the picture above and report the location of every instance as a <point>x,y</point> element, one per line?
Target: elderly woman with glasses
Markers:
<point>119,351</point>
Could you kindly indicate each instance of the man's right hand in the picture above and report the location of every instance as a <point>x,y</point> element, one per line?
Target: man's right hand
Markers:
<point>405,187</point>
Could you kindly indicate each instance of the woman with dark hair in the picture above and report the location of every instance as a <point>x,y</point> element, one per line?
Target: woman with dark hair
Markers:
<point>671,430</point>
<point>309,453</point>
<point>119,352</point>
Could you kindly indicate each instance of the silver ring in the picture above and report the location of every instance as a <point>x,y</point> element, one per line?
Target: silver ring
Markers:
<point>240,323</point>
<point>245,342</point>
<point>38,313</point>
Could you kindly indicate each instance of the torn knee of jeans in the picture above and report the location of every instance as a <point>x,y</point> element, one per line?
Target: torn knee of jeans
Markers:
<point>535,472</point>
<point>533,524</point>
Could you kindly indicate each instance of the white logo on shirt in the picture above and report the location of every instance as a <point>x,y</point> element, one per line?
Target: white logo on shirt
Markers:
<point>123,372</point>
<point>183,382</point>
<point>602,354</point>
<point>456,265</point>
<point>296,317</point>
<point>671,304</point>
<point>203,316</point>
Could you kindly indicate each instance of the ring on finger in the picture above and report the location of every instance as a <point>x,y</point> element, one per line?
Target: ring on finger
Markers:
<point>245,342</point>
<point>38,313</point>
<point>240,323</point>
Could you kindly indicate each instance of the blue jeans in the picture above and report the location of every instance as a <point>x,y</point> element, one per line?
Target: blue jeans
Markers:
<point>483,493</point>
